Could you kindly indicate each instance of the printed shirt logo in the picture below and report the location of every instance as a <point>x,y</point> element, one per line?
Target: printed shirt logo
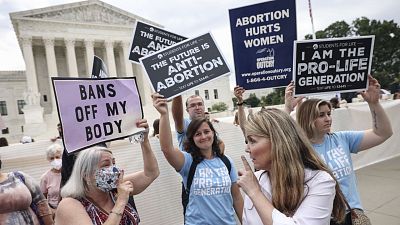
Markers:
<point>211,182</point>
<point>338,161</point>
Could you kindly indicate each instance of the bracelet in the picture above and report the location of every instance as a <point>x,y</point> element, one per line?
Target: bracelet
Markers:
<point>116,213</point>
<point>239,104</point>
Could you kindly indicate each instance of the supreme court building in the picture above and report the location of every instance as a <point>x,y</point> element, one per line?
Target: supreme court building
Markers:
<point>60,41</point>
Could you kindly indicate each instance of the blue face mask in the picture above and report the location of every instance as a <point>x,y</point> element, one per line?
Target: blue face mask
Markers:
<point>107,178</point>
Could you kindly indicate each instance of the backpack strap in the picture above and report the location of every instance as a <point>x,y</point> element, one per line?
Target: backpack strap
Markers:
<point>227,163</point>
<point>192,170</point>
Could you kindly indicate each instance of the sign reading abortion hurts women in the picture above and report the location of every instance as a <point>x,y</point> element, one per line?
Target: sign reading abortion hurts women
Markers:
<point>332,65</point>
<point>185,66</point>
<point>262,40</point>
<point>96,110</point>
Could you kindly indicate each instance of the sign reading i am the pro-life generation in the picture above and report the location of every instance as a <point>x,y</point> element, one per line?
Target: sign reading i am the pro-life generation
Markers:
<point>262,39</point>
<point>332,65</point>
<point>185,66</point>
<point>92,111</point>
<point>148,39</point>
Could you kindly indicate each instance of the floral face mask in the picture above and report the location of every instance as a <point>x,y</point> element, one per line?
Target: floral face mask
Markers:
<point>107,178</point>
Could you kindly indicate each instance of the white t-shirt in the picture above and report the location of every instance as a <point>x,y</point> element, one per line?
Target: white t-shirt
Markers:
<point>316,208</point>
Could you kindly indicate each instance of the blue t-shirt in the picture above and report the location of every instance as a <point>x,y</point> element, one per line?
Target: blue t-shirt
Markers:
<point>335,152</point>
<point>210,198</point>
<point>182,136</point>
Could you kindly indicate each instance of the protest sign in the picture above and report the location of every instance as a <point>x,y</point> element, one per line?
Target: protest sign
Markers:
<point>99,68</point>
<point>148,39</point>
<point>332,65</point>
<point>262,40</point>
<point>92,111</point>
<point>185,66</point>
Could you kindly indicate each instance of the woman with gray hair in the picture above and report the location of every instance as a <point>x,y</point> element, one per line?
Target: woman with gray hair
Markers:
<point>50,180</point>
<point>97,191</point>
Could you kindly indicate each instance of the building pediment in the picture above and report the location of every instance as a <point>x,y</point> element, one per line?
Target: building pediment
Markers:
<point>91,11</point>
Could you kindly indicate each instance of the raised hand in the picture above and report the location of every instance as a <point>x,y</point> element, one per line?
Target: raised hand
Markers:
<point>290,101</point>
<point>372,94</point>
<point>124,188</point>
<point>143,123</point>
<point>160,103</point>
<point>238,91</point>
<point>247,180</point>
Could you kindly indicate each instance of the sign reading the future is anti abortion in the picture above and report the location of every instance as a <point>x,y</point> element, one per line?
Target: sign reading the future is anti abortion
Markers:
<point>332,65</point>
<point>262,39</point>
<point>92,111</point>
<point>148,39</point>
<point>185,66</point>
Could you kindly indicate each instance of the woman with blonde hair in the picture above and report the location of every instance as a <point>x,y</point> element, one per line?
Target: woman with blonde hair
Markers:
<point>292,186</point>
<point>335,148</point>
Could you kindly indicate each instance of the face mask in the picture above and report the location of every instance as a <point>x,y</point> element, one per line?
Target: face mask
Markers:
<point>56,164</point>
<point>107,178</point>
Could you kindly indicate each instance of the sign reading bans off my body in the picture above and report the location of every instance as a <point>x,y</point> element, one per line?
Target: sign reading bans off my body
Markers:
<point>96,110</point>
<point>184,66</point>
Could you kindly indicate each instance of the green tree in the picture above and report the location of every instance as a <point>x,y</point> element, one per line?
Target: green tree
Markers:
<point>219,107</point>
<point>337,29</point>
<point>253,101</point>
<point>276,97</point>
<point>235,101</point>
<point>386,58</point>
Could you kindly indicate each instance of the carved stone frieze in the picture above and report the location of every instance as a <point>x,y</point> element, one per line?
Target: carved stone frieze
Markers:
<point>87,14</point>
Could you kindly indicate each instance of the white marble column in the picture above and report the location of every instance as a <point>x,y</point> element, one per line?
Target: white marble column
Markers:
<point>112,70</point>
<point>89,47</point>
<point>33,112</point>
<point>31,78</point>
<point>125,56</point>
<point>51,68</point>
<point>71,57</point>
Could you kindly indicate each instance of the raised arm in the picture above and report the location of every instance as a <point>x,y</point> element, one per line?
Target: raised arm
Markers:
<point>290,101</point>
<point>71,211</point>
<point>177,113</point>
<point>238,91</point>
<point>142,179</point>
<point>173,155</point>
<point>381,127</point>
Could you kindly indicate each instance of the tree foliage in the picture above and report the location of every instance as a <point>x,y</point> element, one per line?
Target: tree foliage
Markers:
<point>386,55</point>
<point>219,107</point>
<point>276,97</point>
<point>253,101</point>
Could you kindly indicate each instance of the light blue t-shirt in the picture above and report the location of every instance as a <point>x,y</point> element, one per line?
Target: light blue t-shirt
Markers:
<point>335,152</point>
<point>210,198</point>
<point>182,136</point>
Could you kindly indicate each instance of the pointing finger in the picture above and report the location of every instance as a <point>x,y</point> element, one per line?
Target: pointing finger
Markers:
<point>246,164</point>
<point>121,177</point>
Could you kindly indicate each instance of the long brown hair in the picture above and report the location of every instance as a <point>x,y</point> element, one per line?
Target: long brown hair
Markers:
<point>290,146</point>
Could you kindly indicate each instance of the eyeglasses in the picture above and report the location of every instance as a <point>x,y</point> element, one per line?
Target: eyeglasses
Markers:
<point>193,105</point>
